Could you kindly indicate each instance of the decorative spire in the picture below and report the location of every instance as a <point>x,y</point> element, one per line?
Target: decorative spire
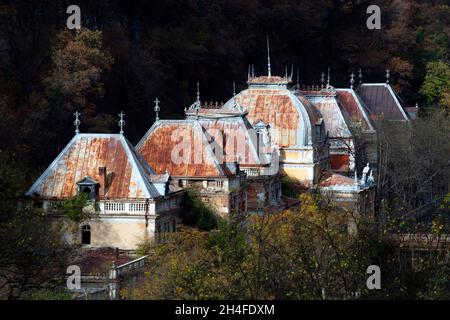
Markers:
<point>292,72</point>
<point>352,80</point>
<point>388,75</point>
<point>285,71</point>
<point>253,70</point>
<point>249,72</point>
<point>322,80</point>
<point>157,108</point>
<point>417,105</point>
<point>360,76</point>
<point>198,92</point>
<point>121,121</point>
<point>328,78</point>
<point>268,58</point>
<point>234,88</point>
<point>298,77</point>
<point>356,177</point>
<point>77,122</point>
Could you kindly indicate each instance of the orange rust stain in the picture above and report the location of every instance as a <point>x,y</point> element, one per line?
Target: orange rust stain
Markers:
<point>84,158</point>
<point>275,108</point>
<point>185,144</point>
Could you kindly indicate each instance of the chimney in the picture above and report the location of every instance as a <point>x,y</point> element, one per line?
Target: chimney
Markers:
<point>102,172</point>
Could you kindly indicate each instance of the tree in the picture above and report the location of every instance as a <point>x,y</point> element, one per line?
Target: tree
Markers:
<point>31,253</point>
<point>436,86</point>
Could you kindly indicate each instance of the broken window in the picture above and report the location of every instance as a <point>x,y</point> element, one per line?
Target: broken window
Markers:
<point>86,234</point>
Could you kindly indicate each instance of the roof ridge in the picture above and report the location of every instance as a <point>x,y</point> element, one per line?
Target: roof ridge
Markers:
<point>131,151</point>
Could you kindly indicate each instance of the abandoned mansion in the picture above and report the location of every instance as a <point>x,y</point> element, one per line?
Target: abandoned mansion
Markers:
<point>233,154</point>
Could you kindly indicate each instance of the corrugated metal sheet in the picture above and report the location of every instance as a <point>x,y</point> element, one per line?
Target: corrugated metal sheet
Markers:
<point>129,175</point>
<point>381,101</point>
<point>181,148</point>
<point>278,109</point>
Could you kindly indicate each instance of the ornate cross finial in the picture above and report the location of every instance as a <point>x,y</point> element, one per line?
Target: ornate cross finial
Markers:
<point>77,122</point>
<point>322,80</point>
<point>268,58</point>
<point>388,75</point>
<point>360,76</point>
<point>352,80</point>
<point>121,121</point>
<point>157,108</point>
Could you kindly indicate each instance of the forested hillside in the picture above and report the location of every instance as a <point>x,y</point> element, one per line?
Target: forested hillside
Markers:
<point>129,52</point>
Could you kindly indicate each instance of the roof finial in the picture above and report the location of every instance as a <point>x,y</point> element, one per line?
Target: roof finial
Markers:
<point>356,177</point>
<point>322,80</point>
<point>292,72</point>
<point>253,70</point>
<point>157,109</point>
<point>121,121</point>
<point>360,76</point>
<point>249,72</point>
<point>268,58</point>
<point>198,92</point>
<point>417,105</point>
<point>388,75</point>
<point>352,80</point>
<point>285,71</point>
<point>234,88</point>
<point>298,77</point>
<point>77,122</point>
<point>328,78</point>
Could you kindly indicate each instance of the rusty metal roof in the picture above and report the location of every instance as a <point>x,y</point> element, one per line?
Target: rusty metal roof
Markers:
<point>353,109</point>
<point>128,175</point>
<point>381,101</point>
<point>180,147</point>
<point>335,122</point>
<point>269,80</point>
<point>291,118</point>
<point>329,179</point>
<point>238,136</point>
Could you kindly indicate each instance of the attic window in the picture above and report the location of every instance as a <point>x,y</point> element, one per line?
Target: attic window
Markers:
<point>89,186</point>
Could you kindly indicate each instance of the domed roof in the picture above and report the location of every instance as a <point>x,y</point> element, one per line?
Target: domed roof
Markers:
<point>292,119</point>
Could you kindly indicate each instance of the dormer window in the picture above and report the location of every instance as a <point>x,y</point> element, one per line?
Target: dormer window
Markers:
<point>89,186</point>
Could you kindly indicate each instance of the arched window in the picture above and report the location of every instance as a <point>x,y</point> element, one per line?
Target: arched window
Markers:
<point>86,234</point>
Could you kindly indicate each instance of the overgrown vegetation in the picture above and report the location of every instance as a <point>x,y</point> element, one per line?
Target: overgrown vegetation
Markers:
<point>289,186</point>
<point>196,213</point>
<point>73,208</point>
<point>299,254</point>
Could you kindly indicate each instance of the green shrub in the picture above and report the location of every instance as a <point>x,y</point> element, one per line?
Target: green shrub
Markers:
<point>198,214</point>
<point>73,208</point>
